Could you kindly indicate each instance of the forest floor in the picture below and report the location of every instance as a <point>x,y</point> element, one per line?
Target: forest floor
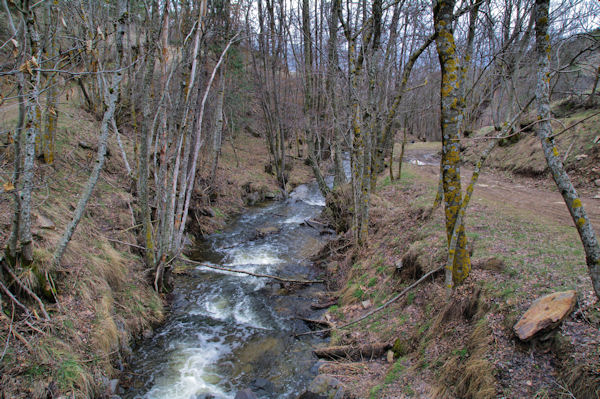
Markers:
<point>524,246</point>
<point>105,299</point>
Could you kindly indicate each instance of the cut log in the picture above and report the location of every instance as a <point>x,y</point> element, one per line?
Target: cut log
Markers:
<point>353,352</point>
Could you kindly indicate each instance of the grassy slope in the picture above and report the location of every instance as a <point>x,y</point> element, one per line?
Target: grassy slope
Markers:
<point>524,156</point>
<point>104,299</point>
<point>467,348</point>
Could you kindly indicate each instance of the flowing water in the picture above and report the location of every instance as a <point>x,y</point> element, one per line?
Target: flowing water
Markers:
<point>229,331</point>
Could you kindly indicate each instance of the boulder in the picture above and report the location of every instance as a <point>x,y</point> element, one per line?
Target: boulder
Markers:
<point>245,394</point>
<point>597,182</point>
<point>324,387</point>
<point>45,223</point>
<point>545,313</point>
<point>253,194</point>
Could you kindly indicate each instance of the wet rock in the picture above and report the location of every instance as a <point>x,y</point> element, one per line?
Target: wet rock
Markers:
<point>147,334</point>
<point>263,387</point>
<point>545,313</point>
<point>324,387</point>
<point>112,386</point>
<point>262,232</point>
<point>252,194</point>
<point>315,367</point>
<point>245,394</point>
<point>205,396</point>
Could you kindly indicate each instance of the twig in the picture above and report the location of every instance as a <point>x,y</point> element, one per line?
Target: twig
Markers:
<point>226,269</point>
<point>29,292</point>
<point>372,312</point>
<point>15,300</point>
<point>574,124</point>
<point>125,243</point>
<point>12,317</point>
<point>16,334</point>
<point>569,149</point>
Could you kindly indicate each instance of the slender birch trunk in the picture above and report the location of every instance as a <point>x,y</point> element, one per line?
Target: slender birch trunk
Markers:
<point>191,174</point>
<point>111,96</point>
<point>13,240</point>
<point>143,174</point>
<point>25,235</point>
<point>544,132</point>
<point>218,130</point>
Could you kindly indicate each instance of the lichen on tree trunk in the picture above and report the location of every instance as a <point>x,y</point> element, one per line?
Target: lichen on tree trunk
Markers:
<point>544,132</point>
<point>451,115</point>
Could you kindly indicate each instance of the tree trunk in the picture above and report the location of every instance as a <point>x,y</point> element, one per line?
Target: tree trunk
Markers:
<point>112,95</point>
<point>451,116</point>
<point>25,235</point>
<point>218,130</point>
<point>13,240</point>
<point>544,132</point>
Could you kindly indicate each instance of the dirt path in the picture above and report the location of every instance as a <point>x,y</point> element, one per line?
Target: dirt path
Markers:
<point>524,195</point>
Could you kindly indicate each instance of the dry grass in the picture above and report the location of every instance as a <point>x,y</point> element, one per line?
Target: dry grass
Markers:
<point>468,373</point>
<point>103,298</point>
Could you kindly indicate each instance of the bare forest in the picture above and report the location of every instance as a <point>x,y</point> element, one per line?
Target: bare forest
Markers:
<point>299,199</point>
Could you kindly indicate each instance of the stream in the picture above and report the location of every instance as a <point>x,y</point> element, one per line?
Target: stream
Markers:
<point>226,331</point>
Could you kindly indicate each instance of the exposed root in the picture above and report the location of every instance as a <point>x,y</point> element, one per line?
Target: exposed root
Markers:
<point>29,292</point>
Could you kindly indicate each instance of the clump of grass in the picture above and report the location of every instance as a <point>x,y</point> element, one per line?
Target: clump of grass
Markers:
<point>468,373</point>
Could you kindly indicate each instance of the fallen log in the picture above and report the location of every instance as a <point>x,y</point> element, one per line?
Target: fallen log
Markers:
<point>227,269</point>
<point>353,352</point>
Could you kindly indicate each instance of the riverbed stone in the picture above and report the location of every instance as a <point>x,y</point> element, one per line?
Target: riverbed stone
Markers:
<point>245,394</point>
<point>263,387</point>
<point>324,387</point>
<point>545,314</point>
<point>266,231</point>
